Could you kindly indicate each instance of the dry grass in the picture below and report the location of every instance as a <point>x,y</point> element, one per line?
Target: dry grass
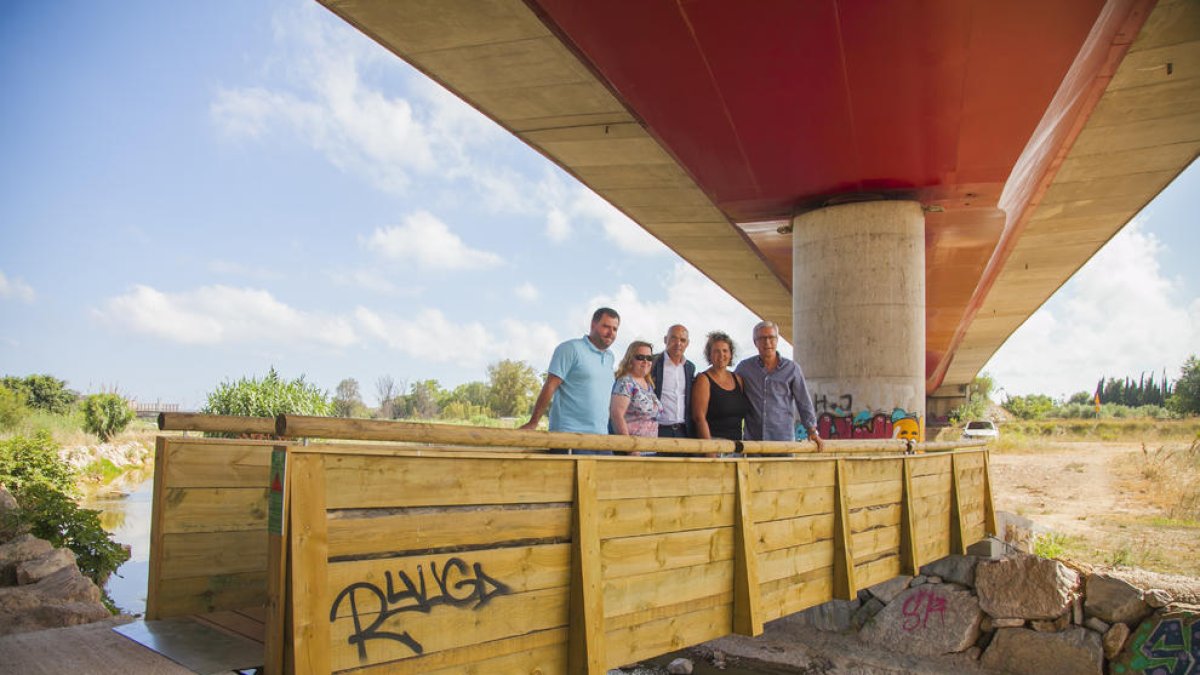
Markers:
<point>1170,477</point>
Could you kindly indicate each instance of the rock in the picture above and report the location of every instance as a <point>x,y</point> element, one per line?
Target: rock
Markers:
<point>865,613</point>
<point>834,616</point>
<point>64,598</point>
<point>1020,650</point>
<point>1026,587</point>
<point>1077,611</point>
<point>1163,638</point>
<point>1098,625</point>
<point>8,521</point>
<point>959,569</point>
<point>33,571</point>
<point>1016,531</point>
<point>1156,598</point>
<point>680,667</point>
<point>926,621</point>
<point>1114,600</point>
<point>973,652</point>
<point>1007,623</point>
<point>1052,626</point>
<point>931,579</point>
<point>990,548</point>
<point>20,549</point>
<point>1180,588</point>
<point>986,624</point>
<point>1114,640</point>
<point>917,581</point>
<point>888,590</point>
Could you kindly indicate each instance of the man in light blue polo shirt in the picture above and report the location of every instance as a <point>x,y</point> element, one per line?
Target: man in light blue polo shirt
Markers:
<point>578,387</point>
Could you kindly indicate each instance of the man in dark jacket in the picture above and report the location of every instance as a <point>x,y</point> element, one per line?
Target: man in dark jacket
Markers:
<point>673,375</point>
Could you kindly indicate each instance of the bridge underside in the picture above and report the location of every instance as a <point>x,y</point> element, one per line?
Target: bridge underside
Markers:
<point>1031,132</point>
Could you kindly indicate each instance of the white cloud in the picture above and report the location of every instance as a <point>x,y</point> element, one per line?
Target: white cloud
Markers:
<point>1118,316</point>
<point>373,280</point>
<point>214,315</point>
<point>431,336</point>
<point>527,292</point>
<point>428,243</point>
<point>16,289</point>
<point>569,204</point>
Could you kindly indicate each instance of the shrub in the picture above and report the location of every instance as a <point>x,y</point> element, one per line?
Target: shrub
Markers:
<point>106,415</point>
<point>43,485</point>
<point>12,408</point>
<point>268,397</point>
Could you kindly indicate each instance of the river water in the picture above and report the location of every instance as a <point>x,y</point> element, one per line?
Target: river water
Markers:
<point>125,507</point>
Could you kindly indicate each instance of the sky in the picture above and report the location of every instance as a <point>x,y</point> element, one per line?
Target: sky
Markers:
<point>194,192</point>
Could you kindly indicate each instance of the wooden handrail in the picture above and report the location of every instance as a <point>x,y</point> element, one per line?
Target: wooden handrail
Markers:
<point>300,426</point>
<point>228,424</point>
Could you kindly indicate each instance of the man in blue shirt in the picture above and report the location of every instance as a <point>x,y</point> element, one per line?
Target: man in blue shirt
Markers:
<point>777,390</point>
<point>579,382</point>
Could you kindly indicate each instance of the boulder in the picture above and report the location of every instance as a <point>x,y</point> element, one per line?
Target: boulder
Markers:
<point>1025,587</point>
<point>1114,640</point>
<point>1114,600</point>
<point>33,571</point>
<point>1097,624</point>
<point>926,621</point>
<point>8,521</point>
<point>888,590</point>
<point>1075,651</point>
<point>20,549</point>
<point>1016,531</point>
<point>1161,644</point>
<point>834,616</point>
<point>959,569</point>
<point>64,598</point>
<point>1007,623</point>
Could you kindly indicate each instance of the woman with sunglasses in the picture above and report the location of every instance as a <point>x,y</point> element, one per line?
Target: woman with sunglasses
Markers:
<point>634,408</point>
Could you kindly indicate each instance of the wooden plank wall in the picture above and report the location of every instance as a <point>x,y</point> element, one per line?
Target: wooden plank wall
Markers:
<point>441,564</point>
<point>208,540</point>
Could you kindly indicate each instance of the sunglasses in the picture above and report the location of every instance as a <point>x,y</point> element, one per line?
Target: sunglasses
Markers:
<point>643,357</point>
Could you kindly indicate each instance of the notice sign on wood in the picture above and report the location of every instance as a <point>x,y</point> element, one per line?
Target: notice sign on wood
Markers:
<point>275,493</point>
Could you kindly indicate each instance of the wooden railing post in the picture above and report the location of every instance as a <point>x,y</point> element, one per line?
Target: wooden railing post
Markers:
<point>958,538</point>
<point>585,642</point>
<point>158,508</point>
<point>747,601</point>
<point>908,525</point>
<point>310,563</point>
<point>844,587</point>
<point>989,507</point>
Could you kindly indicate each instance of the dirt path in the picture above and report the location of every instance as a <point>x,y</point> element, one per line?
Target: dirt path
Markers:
<point>1095,497</point>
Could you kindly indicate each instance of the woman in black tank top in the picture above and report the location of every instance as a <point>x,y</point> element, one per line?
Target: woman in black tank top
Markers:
<point>719,403</point>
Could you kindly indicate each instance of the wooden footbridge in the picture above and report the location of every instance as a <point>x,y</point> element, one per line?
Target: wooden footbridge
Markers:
<point>415,548</point>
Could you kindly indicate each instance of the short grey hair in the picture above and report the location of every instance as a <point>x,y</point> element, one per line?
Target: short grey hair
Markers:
<point>763,324</point>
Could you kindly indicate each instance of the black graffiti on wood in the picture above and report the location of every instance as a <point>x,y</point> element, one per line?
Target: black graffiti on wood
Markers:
<point>458,585</point>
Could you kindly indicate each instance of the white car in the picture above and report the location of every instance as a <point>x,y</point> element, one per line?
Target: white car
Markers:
<point>983,430</point>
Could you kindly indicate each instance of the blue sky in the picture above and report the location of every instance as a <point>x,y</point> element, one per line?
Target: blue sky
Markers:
<point>193,192</point>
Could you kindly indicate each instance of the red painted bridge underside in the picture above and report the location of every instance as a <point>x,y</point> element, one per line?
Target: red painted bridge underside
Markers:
<point>778,106</point>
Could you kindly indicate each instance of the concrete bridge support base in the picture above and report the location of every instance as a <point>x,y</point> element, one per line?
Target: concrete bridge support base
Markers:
<point>858,307</point>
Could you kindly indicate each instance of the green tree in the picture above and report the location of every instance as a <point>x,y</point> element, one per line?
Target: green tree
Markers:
<point>474,394</point>
<point>12,408</point>
<point>979,394</point>
<point>513,387</point>
<point>1186,399</point>
<point>1080,398</point>
<point>347,402</point>
<point>422,400</point>
<point>1031,407</point>
<point>106,415</point>
<point>268,397</point>
<point>43,392</point>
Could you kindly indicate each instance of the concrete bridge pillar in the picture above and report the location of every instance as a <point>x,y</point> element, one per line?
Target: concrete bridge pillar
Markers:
<point>858,308</point>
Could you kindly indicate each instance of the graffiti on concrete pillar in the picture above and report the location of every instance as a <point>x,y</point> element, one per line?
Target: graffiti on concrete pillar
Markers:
<point>1168,644</point>
<point>837,420</point>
